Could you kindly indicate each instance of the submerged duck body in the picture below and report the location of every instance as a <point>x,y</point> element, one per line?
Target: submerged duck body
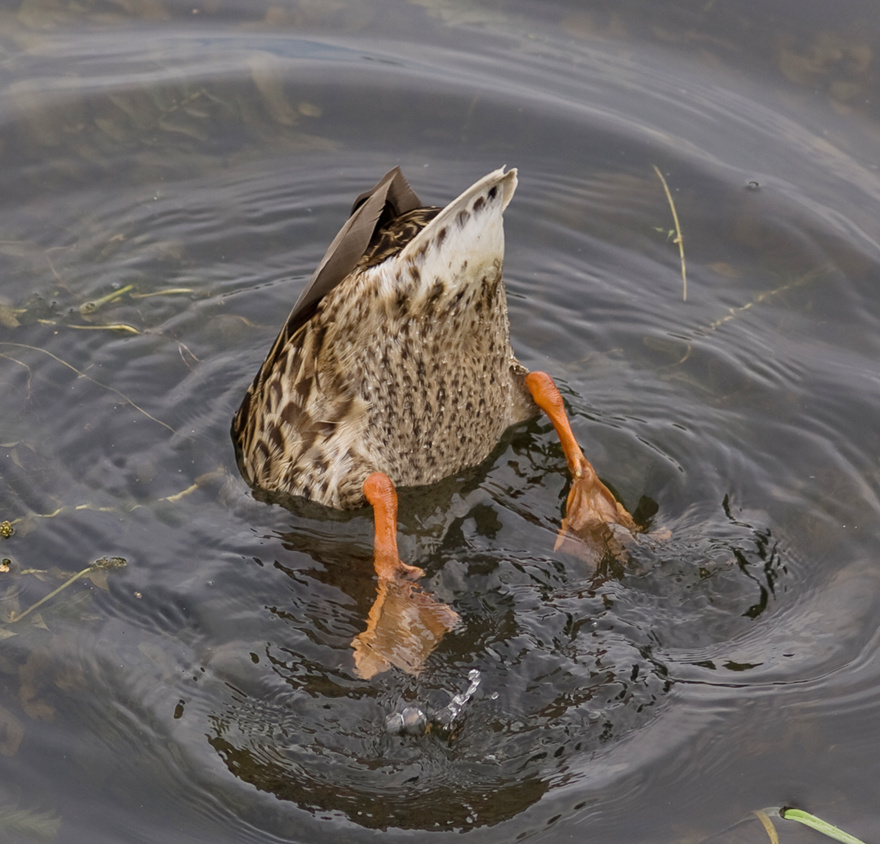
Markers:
<point>397,357</point>
<point>394,369</point>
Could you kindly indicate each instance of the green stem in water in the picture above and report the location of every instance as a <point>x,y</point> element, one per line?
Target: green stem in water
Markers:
<point>94,304</point>
<point>103,563</point>
<point>819,825</point>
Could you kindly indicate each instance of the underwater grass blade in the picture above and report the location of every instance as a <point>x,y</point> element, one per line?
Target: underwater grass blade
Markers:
<point>29,824</point>
<point>93,304</point>
<point>103,563</point>
<point>81,374</point>
<point>768,825</point>
<point>116,326</point>
<point>679,239</point>
<point>7,526</point>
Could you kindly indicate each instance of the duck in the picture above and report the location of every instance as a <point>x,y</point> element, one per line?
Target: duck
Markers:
<point>395,369</point>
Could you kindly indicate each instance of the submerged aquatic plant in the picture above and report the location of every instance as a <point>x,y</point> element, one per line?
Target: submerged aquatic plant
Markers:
<point>101,564</point>
<point>17,823</point>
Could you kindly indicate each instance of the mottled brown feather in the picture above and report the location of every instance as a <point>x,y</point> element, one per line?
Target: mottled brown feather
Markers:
<point>403,365</point>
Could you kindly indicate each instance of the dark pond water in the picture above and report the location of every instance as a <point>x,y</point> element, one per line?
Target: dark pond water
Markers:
<point>171,173</point>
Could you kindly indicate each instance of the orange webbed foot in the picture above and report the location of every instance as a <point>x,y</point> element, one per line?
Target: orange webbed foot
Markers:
<point>591,504</point>
<point>405,623</point>
<point>404,626</point>
<point>591,509</point>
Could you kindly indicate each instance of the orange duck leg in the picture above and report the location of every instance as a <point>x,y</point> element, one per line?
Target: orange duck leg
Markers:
<point>382,496</point>
<point>405,623</point>
<point>591,507</point>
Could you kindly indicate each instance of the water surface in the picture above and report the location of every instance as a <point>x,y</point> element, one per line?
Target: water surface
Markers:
<point>172,174</point>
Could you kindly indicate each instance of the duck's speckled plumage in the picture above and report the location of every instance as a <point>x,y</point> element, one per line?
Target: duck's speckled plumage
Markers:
<point>396,358</point>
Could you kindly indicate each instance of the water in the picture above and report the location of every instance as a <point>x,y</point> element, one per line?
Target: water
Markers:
<point>195,160</point>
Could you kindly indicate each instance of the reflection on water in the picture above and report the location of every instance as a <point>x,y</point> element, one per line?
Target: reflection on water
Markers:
<point>171,175</point>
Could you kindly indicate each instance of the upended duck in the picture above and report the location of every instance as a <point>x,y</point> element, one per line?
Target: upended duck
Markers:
<point>395,369</point>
